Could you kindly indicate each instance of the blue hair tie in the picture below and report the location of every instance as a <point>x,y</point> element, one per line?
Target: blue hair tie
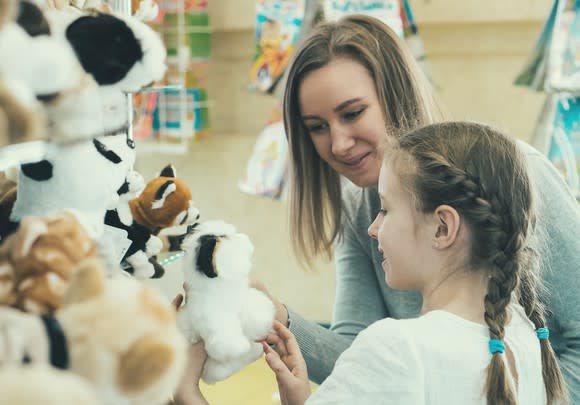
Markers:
<point>496,346</point>
<point>543,333</point>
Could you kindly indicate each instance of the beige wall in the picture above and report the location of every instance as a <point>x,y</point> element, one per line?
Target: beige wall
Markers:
<point>475,49</point>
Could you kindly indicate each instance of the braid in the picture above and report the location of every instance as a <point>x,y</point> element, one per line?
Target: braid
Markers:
<point>535,310</point>
<point>482,210</point>
<point>480,172</point>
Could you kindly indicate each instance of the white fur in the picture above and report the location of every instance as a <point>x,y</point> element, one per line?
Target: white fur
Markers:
<point>82,180</point>
<point>224,311</point>
<point>44,385</point>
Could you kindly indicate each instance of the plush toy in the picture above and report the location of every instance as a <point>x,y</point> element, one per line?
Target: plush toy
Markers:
<point>44,385</point>
<point>37,262</point>
<point>220,308</point>
<point>83,176</point>
<point>118,334</point>
<point>165,202</point>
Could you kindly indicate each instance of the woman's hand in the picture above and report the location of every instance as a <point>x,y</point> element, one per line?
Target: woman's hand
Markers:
<point>288,365</point>
<point>188,392</point>
<point>281,314</point>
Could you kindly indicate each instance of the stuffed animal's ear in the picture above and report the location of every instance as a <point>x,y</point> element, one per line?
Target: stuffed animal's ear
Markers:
<point>106,47</point>
<point>87,282</point>
<point>162,193</point>
<point>144,363</point>
<point>168,171</point>
<point>32,20</point>
<point>208,245</point>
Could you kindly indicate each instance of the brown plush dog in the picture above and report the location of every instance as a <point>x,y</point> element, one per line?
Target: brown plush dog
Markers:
<point>37,261</point>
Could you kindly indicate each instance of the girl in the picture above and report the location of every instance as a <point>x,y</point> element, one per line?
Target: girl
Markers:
<point>455,221</point>
<point>350,83</point>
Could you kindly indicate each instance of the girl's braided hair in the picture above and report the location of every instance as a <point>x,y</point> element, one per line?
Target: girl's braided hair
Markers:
<point>483,175</point>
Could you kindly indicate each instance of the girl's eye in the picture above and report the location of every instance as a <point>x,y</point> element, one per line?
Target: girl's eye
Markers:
<point>382,212</point>
<point>349,116</point>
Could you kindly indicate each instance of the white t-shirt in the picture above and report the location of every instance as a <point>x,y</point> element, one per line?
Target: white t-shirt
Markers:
<point>438,358</point>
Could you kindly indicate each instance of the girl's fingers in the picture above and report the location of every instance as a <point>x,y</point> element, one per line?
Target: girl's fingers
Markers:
<point>177,301</point>
<point>290,343</point>
<point>277,365</point>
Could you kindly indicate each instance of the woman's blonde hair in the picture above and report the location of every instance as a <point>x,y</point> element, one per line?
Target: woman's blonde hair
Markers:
<point>316,210</point>
<point>483,175</point>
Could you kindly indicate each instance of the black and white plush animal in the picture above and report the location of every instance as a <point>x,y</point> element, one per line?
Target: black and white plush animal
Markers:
<point>220,307</point>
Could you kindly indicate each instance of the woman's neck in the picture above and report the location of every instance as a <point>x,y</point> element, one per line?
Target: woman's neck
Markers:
<point>460,292</point>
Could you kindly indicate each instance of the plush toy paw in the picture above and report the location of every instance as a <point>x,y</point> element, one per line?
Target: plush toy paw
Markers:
<point>153,246</point>
<point>226,347</point>
<point>215,371</point>
<point>140,266</point>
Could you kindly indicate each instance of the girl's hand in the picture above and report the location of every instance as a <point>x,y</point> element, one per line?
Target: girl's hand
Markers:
<point>288,365</point>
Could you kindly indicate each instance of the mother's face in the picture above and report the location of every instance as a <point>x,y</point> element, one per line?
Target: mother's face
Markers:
<point>341,111</point>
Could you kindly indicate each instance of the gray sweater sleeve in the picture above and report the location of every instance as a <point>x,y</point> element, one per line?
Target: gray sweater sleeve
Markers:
<point>358,304</point>
<point>559,225</point>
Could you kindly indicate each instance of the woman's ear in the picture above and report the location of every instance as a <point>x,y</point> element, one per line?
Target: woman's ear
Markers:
<point>448,224</point>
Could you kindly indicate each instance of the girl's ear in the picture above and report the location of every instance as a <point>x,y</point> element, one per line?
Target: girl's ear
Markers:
<point>448,224</point>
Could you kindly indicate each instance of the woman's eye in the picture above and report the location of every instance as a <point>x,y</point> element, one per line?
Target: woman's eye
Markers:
<point>349,116</point>
<point>318,128</point>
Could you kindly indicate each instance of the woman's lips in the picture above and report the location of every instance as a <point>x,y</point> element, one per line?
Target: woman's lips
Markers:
<point>357,160</point>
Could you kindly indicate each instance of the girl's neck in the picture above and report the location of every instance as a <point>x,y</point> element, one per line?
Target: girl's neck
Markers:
<point>460,292</point>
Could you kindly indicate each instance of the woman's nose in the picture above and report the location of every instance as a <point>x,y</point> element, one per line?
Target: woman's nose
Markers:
<point>342,141</point>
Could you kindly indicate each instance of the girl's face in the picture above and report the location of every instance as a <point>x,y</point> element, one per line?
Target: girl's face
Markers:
<point>405,235</point>
<point>341,111</point>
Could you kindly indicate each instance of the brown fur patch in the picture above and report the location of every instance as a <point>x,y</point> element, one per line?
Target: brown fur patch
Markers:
<point>144,363</point>
<point>88,281</point>
<point>150,304</point>
<point>43,255</point>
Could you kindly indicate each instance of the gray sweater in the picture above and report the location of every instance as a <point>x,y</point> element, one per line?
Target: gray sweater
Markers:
<point>362,296</point>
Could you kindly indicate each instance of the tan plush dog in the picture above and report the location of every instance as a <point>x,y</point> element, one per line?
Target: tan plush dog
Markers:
<point>37,261</point>
<point>118,334</point>
<point>122,337</point>
<point>44,385</point>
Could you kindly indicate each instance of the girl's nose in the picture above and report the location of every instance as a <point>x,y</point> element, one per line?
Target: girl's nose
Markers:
<point>373,228</point>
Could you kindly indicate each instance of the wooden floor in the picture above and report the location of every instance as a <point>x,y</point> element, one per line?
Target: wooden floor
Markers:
<point>254,385</point>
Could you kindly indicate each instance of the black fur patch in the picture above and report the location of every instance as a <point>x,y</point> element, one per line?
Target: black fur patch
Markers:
<point>124,188</point>
<point>31,19</point>
<point>47,98</point>
<point>204,263</point>
<point>168,171</point>
<point>161,190</point>
<point>39,171</point>
<point>108,154</point>
<point>105,46</point>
